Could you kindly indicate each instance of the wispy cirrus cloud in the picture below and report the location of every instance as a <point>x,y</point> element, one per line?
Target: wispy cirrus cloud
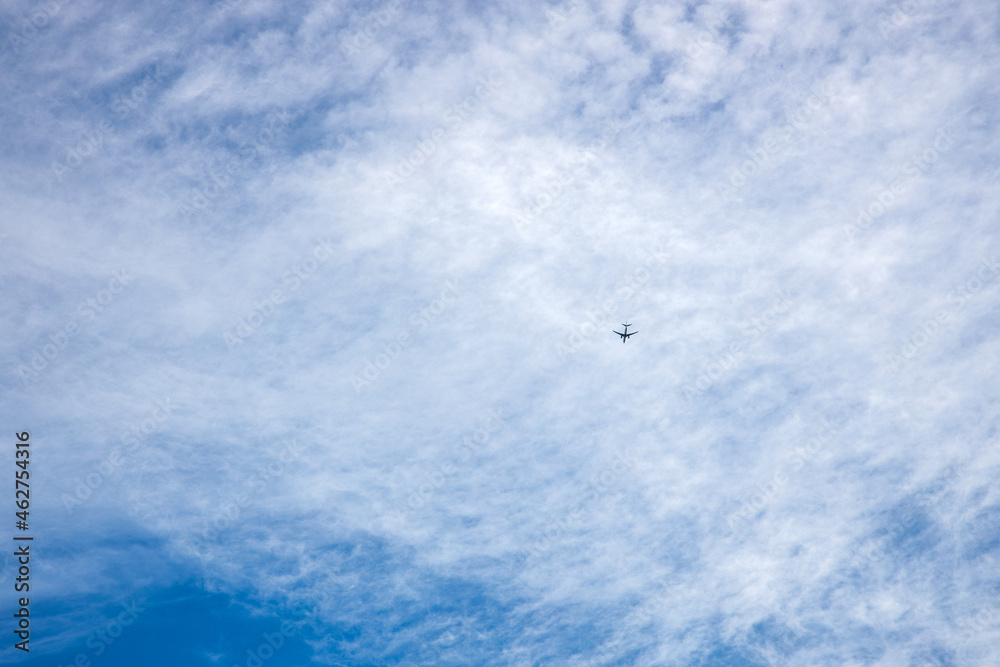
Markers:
<point>362,228</point>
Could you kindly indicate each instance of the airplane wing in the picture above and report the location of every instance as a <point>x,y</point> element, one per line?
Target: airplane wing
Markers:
<point>632,333</point>
<point>621,334</point>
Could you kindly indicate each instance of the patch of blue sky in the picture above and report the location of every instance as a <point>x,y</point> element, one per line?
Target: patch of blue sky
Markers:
<point>180,624</point>
<point>719,654</point>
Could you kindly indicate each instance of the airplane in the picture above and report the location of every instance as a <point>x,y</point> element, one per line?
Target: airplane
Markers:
<point>626,334</point>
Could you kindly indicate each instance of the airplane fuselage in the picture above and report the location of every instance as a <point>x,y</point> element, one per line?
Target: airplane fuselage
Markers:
<point>626,334</point>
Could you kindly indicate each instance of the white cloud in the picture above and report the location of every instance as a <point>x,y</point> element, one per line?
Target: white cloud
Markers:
<point>869,548</point>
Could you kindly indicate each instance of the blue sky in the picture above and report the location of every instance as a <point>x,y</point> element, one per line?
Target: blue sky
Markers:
<point>309,314</point>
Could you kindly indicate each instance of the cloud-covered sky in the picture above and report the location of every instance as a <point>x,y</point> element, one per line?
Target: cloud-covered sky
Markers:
<point>309,312</point>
